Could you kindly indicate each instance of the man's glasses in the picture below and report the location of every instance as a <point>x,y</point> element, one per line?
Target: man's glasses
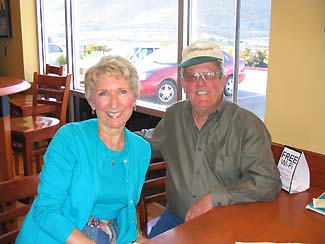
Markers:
<point>206,76</point>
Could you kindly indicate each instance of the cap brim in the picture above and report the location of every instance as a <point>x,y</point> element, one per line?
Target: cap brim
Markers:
<point>199,60</point>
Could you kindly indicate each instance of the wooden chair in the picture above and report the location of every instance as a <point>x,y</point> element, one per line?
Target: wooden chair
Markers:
<point>21,104</point>
<point>153,191</point>
<point>54,70</point>
<point>12,212</point>
<point>30,134</point>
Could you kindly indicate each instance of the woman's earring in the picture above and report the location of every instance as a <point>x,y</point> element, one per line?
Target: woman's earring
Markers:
<point>134,108</point>
<point>93,111</point>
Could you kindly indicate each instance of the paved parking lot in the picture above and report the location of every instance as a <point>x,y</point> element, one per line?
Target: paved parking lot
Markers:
<point>251,92</point>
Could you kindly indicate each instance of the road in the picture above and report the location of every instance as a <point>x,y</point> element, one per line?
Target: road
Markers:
<point>251,91</point>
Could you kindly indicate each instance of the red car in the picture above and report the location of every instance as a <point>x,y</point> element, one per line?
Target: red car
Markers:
<point>158,75</point>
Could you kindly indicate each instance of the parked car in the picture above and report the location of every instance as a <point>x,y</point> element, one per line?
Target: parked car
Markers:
<point>229,73</point>
<point>139,53</point>
<point>158,75</point>
<point>55,52</point>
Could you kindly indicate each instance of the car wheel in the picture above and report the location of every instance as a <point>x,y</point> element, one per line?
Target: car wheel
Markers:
<point>166,92</point>
<point>229,86</point>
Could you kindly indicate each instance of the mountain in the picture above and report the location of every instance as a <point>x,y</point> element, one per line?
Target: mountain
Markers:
<point>119,21</point>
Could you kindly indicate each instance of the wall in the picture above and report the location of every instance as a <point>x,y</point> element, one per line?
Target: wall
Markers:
<point>29,40</point>
<point>295,104</point>
<point>20,58</point>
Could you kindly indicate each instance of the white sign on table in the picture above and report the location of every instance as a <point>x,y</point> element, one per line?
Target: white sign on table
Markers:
<point>294,170</point>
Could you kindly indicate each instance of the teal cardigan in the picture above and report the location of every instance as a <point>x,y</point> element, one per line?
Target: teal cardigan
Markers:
<point>70,182</point>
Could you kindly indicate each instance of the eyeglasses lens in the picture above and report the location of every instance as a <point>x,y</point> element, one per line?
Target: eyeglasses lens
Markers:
<point>206,76</point>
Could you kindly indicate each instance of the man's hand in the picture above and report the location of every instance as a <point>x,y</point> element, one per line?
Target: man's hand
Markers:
<point>200,207</point>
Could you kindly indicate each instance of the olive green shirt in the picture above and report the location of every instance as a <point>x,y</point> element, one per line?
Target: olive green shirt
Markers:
<point>230,157</point>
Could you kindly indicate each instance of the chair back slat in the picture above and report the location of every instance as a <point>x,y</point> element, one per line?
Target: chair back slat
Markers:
<point>154,182</point>
<point>15,213</point>
<point>49,91</point>
<point>18,188</point>
<point>9,237</point>
<point>49,102</point>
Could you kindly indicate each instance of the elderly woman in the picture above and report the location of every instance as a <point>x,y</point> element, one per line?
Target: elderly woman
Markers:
<point>93,170</point>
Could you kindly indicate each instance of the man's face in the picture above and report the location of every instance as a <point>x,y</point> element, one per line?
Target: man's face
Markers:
<point>203,87</point>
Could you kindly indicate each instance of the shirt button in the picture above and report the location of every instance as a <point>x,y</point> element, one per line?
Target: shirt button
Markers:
<point>131,202</point>
<point>194,196</point>
<point>125,161</point>
<point>199,149</point>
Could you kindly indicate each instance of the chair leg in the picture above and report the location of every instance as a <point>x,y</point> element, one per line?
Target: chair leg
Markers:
<point>16,160</point>
<point>37,158</point>
<point>143,217</point>
<point>27,158</point>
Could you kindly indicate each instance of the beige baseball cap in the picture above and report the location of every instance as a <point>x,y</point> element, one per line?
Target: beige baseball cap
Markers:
<point>200,52</point>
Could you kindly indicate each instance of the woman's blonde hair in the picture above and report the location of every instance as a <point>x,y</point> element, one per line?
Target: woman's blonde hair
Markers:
<point>112,65</point>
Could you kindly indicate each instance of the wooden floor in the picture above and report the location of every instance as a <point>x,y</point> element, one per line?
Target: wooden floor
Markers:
<point>154,209</point>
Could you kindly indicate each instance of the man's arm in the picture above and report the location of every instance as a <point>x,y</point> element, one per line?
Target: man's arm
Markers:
<point>154,137</point>
<point>200,207</point>
<point>259,177</point>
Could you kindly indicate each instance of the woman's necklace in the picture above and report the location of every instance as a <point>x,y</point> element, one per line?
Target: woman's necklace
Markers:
<point>119,147</point>
<point>113,162</point>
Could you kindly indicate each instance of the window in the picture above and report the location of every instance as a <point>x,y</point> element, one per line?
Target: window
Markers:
<point>147,33</point>
<point>52,35</point>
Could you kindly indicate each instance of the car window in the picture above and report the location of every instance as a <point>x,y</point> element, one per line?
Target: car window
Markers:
<point>54,48</point>
<point>164,55</point>
<point>226,57</point>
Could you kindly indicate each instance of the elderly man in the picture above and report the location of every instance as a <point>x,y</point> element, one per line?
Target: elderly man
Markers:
<point>216,152</point>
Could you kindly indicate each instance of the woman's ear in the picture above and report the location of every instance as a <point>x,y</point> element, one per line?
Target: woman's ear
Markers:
<point>91,104</point>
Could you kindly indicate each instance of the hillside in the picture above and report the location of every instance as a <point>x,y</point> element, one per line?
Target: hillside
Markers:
<point>100,21</point>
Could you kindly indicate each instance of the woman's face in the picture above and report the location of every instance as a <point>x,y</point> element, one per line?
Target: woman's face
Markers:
<point>113,100</point>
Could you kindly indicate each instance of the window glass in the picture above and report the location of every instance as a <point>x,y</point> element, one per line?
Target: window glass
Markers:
<point>139,31</point>
<point>54,38</point>
<point>146,32</point>
<point>215,21</point>
<point>254,49</point>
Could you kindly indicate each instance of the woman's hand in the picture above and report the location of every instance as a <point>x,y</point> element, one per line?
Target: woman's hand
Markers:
<point>77,237</point>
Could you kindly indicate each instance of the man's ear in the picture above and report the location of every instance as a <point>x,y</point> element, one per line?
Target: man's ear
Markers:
<point>183,82</point>
<point>223,81</point>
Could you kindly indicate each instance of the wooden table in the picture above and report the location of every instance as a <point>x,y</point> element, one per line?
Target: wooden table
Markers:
<point>282,220</point>
<point>8,85</point>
